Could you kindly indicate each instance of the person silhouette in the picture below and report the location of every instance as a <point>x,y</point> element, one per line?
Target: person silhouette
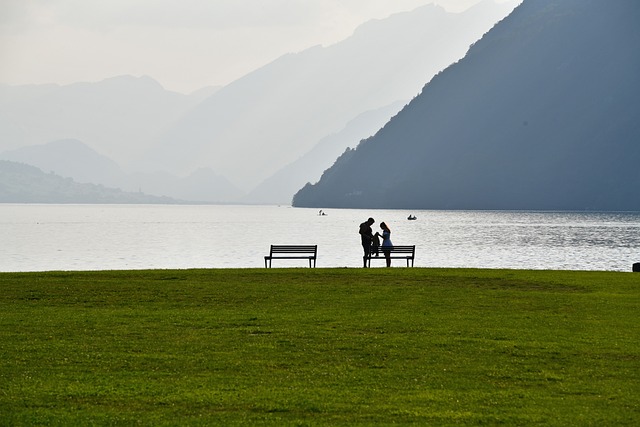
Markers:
<point>386,242</point>
<point>366,236</point>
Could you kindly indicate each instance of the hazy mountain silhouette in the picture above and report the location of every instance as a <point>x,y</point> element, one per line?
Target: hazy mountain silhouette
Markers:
<point>70,158</point>
<point>270,120</point>
<point>73,159</point>
<point>20,183</point>
<point>281,186</point>
<point>542,113</point>
<point>118,117</point>
<point>203,185</point>
<point>260,123</point>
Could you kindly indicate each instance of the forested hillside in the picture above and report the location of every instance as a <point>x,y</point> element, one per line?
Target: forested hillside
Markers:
<point>542,113</point>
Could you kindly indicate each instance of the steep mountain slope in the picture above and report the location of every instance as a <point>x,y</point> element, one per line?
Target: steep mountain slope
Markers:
<point>281,186</point>
<point>542,113</point>
<point>253,127</point>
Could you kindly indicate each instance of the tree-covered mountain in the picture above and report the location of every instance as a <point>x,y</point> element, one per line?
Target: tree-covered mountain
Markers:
<point>542,113</point>
<point>20,183</point>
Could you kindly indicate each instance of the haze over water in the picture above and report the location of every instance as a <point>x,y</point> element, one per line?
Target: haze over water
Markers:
<point>106,237</point>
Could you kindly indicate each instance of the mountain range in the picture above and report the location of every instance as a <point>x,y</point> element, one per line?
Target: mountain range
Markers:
<point>257,140</point>
<point>118,117</point>
<point>541,113</point>
<point>250,129</point>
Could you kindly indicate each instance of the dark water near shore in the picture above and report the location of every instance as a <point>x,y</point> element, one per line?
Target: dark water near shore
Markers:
<point>105,237</point>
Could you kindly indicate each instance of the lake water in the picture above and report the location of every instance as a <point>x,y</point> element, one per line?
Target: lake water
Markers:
<point>106,237</point>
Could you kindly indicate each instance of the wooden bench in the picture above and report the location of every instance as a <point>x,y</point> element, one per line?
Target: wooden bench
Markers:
<point>395,252</point>
<point>292,252</point>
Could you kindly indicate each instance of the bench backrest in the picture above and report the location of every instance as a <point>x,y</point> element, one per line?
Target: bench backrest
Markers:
<point>294,249</point>
<point>400,249</point>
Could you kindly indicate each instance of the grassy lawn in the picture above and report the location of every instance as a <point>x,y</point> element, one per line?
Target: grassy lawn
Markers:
<point>320,347</point>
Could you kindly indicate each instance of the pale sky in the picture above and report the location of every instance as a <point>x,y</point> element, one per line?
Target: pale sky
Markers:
<point>183,44</point>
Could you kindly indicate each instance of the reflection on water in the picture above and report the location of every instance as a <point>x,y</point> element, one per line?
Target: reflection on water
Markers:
<point>100,237</point>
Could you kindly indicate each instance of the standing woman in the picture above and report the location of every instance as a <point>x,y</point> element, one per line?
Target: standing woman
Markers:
<point>386,242</point>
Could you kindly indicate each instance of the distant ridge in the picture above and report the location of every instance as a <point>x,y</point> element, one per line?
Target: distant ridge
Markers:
<point>70,158</point>
<point>73,159</point>
<point>20,183</point>
<point>542,113</point>
<point>117,117</point>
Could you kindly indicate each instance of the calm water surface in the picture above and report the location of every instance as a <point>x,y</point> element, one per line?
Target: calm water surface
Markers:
<point>104,237</point>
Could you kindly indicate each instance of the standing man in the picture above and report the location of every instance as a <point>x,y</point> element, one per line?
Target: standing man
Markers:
<point>366,234</point>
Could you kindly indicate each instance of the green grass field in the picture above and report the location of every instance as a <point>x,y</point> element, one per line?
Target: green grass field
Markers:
<point>320,347</point>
